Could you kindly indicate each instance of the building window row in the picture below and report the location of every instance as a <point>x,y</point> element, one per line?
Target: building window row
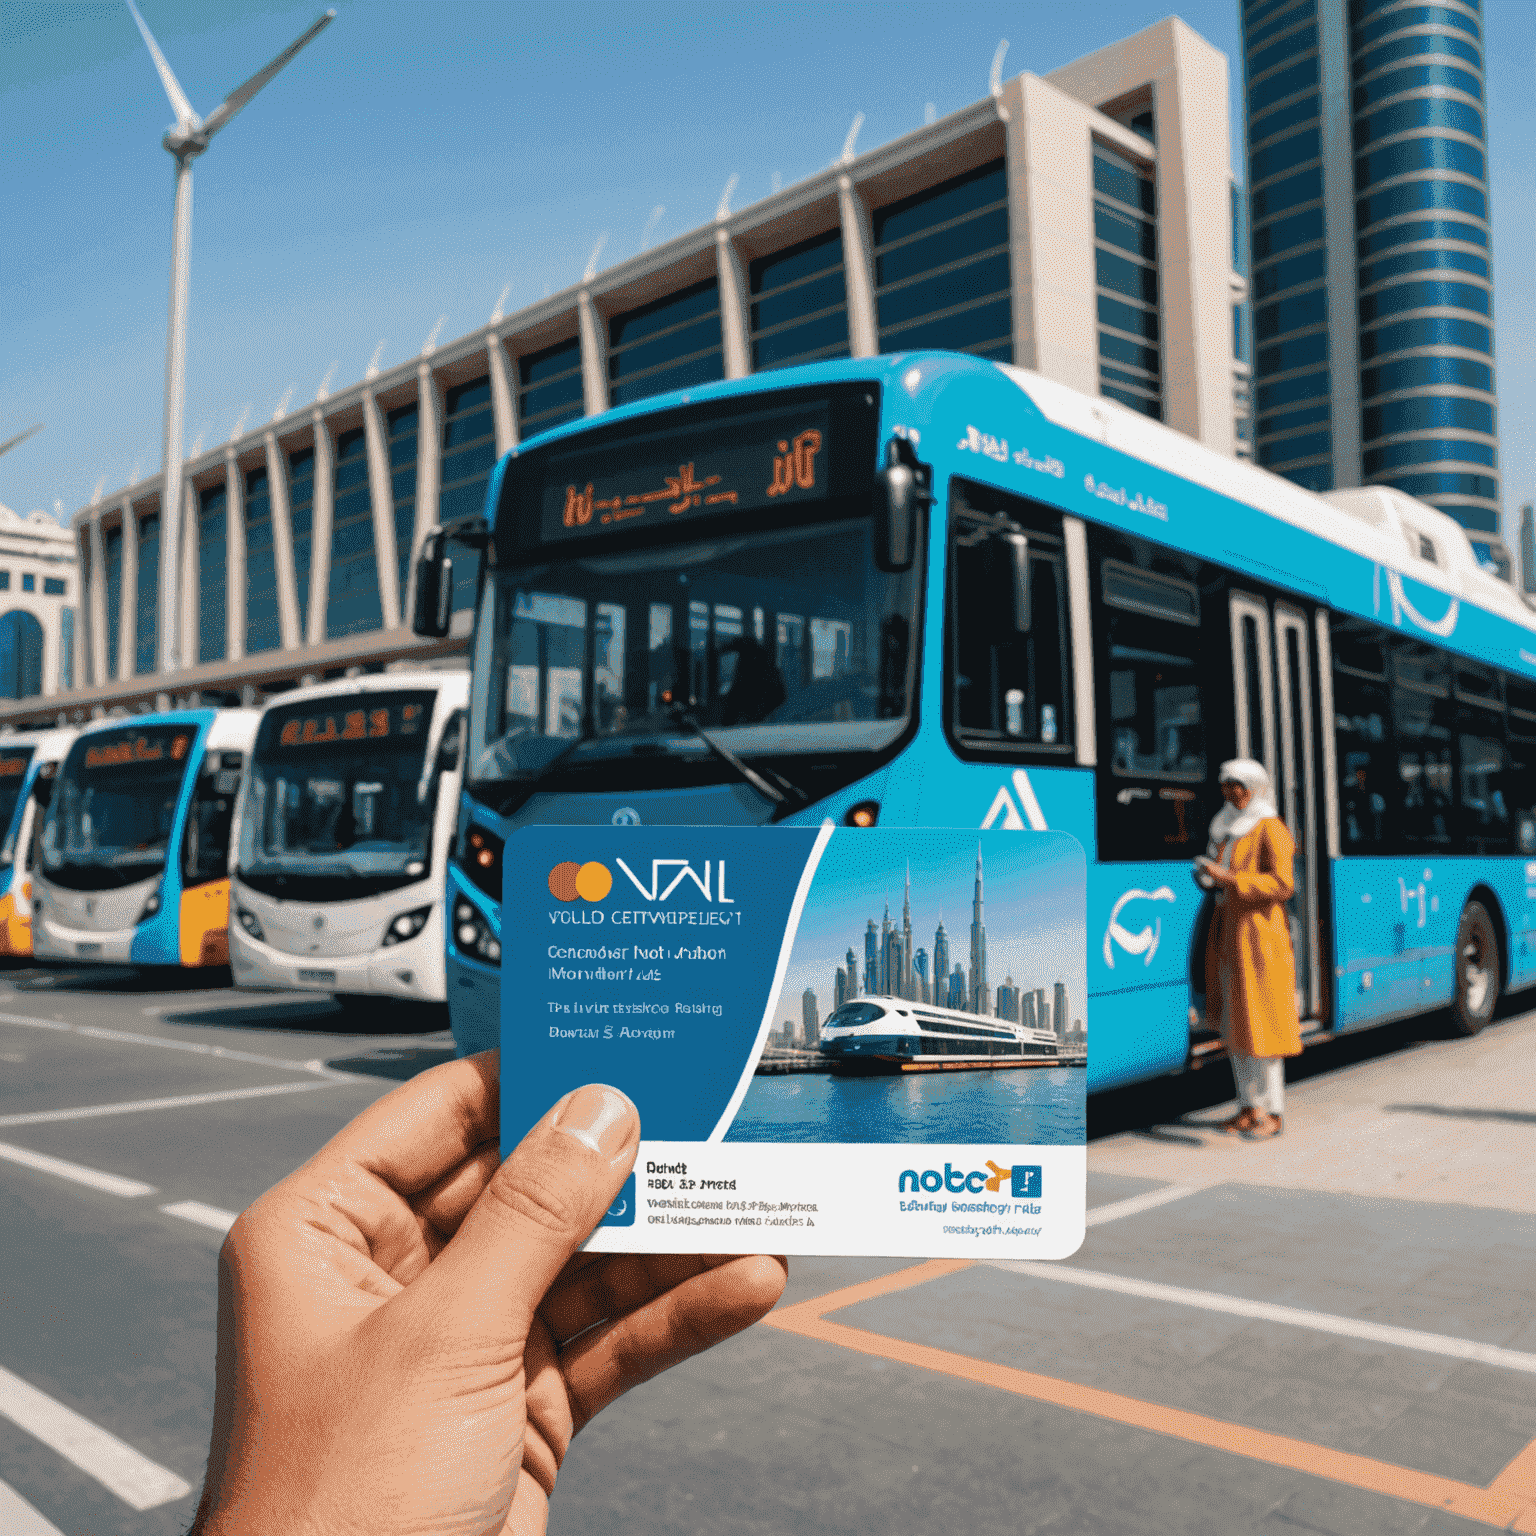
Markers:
<point>1414,16</point>
<point>1125,262</point>
<point>53,586</point>
<point>1281,23</point>
<point>1417,77</point>
<point>1419,112</point>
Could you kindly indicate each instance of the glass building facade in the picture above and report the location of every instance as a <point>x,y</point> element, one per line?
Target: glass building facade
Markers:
<point>799,303</point>
<point>401,426</point>
<point>469,455</point>
<point>549,391</point>
<point>941,267</point>
<point>263,624</point>
<point>670,344</point>
<point>112,559</point>
<point>301,512</point>
<point>1125,278</point>
<point>147,608</point>
<point>1399,88</point>
<point>352,596</point>
<point>212,574</point>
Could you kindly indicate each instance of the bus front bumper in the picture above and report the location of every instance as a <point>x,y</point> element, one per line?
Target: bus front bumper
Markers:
<point>53,941</point>
<point>407,970</point>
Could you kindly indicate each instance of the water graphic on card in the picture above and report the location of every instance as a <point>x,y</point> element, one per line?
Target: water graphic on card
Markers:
<point>841,1040</point>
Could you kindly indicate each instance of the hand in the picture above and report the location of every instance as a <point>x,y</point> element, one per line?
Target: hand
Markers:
<point>1214,872</point>
<point>408,1338</point>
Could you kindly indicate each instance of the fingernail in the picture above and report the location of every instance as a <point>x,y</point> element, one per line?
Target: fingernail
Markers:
<point>598,1117</point>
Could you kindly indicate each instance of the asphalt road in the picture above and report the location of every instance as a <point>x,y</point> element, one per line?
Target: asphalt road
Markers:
<point>1333,1332</point>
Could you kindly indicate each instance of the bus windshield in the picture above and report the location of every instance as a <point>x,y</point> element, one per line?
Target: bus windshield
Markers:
<point>782,641</point>
<point>113,809</point>
<point>13,774</point>
<point>340,802</point>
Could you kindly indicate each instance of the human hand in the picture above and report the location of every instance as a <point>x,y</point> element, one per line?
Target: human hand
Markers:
<point>408,1338</point>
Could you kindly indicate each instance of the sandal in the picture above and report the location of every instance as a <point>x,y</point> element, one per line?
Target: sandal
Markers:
<point>1263,1130</point>
<point>1237,1124</point>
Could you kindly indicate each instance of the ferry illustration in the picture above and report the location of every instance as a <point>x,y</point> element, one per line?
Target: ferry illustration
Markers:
<point>894,1034</point>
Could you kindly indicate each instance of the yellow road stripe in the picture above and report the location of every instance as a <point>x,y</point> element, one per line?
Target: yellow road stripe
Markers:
<point>1508,1503</point>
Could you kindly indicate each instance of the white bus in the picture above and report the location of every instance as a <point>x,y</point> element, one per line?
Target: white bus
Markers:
<point>24,756</point>
<point>342,835</point>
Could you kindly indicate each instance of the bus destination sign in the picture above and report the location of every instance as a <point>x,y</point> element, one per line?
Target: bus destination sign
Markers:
<point>13,765</point>
<point>376,718</point>
<point>766,460</point>
<point>141,747</point>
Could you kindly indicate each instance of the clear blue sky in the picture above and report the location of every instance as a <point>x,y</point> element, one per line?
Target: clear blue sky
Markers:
<point>1033,897</point>
<point>419,156</point>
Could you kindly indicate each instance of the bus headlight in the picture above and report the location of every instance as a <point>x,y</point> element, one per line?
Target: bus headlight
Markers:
<point>480,857</point>
<point>248,921</point>
<point>473,934</point>
<point>406,926</point>
<point>151,907</point>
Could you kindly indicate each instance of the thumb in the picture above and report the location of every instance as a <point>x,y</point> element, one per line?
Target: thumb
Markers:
<point>540,1206</point>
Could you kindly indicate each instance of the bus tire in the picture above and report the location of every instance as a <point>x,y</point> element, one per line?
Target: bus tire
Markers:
<point>1477,969</point>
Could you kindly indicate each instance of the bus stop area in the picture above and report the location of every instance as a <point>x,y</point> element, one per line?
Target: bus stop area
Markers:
<point>1330,1332</point>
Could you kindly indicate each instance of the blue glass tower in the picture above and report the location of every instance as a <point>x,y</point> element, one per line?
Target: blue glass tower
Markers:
<point>1368,203</point>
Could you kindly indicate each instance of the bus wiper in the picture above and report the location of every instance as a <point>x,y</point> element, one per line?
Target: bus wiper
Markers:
<point>775,796</point>
<point>524,789</point>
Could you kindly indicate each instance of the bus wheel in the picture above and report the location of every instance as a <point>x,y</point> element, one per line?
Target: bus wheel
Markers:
<point>1477,969</point>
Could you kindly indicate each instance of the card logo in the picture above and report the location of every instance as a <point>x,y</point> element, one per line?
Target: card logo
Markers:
<point>590,881</point>
<point>1023,1180</point>
<point>622,1212</point>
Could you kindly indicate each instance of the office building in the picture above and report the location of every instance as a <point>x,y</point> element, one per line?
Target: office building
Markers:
<point>1372,299</point>
<point>809,1018</point>
<point>1059,1009</point>
<point>1077,224</point>
<point>1008,1001</point>
<point>39,600</point>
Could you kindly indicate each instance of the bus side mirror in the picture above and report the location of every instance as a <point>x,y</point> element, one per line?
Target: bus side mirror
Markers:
<point>434,591</point>
<point>42,785</point>
<point>1013,611</point>
<point>448,747</point>
<point>900,491</point>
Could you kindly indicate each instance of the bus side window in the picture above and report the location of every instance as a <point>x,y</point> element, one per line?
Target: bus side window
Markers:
<point>1362,707</point>
<point>1010,691</point>
<point>205,840</point>
<point>1483,779</point>
<point>1520,775</point>
<point>1422,719</point>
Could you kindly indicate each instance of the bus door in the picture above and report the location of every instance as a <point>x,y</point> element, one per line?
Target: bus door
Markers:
<point>1277,725</point>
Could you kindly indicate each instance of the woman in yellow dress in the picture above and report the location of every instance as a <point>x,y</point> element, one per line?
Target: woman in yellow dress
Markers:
<point>1250,968</point>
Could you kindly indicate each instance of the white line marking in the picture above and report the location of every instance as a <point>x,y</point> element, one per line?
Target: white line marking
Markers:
<point>135,1479</point>
<point>19,1518</point>
<point>110,1183</point>
<point>203,1215</point>
<point>97,1033</point>
<point>1295,1317</point>
<point>186,1100</point>
<point>1099,1214</point>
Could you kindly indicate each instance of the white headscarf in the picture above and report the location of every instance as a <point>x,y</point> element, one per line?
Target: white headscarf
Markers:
<point>1229,823</point>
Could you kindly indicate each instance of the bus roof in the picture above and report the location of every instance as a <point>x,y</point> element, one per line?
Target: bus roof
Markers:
<point>453,683</point>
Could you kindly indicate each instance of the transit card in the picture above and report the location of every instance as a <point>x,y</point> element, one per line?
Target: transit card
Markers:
<point>841,1040</point>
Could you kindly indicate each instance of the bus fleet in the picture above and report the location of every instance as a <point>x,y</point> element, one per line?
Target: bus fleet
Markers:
<point>914,590</point>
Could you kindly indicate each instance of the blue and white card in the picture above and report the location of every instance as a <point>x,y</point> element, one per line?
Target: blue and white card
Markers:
<point>841,1040</point>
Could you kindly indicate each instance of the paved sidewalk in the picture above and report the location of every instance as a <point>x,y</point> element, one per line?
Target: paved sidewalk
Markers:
<point>1451,1122</point>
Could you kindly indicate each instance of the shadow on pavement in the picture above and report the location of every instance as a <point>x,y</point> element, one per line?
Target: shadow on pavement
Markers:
<point>319,1015</point>
<point>1462,1112</point>
<point>1162,1107</point>
<point>116,979</point>
<point>399,1062</point>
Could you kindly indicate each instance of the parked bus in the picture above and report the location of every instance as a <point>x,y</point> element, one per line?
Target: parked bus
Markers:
<point>341,837</point>
<point>930,590</point>
<point>131,862</point>
<point>23,756</point>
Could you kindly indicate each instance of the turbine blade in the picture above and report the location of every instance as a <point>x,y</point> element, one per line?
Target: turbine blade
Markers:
<point>238,97</point>
<point>20,437</point>
<point>185,116</point>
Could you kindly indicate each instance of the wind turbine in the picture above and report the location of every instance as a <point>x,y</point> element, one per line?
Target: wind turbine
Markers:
<point>186,140</point>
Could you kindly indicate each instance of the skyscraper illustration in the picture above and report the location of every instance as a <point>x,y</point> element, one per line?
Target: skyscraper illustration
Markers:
<point>853,975</point>
<point>1368,197</point>
<point>871,959</point>
<point>1060,1009</point>
<point>940,962</point>
<point>981,998</point>
<point>920,987</point>
<point>809,1018</point>
<point>906,988</point>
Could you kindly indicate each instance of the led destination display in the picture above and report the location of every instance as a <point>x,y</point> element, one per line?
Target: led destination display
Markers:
<point>768,459</point>
<point>380,717</point>
<point>132,748</point>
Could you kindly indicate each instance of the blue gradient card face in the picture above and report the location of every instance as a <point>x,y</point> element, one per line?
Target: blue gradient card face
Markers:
<point>841,1040</point>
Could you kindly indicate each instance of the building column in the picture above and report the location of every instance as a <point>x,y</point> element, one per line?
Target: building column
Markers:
<point>503,396</point>
<point>324,525</point>
<point>858,269</point>
<point>735,331</point>
<point>234,559</point>
<point>191,608</point>
<point>282,543</point>
<point>128,605</point>
<point>98,602</point>
<point>381,498</point>
<point>594,355</point>
<point>1021,256</point>
<point>429,466</point>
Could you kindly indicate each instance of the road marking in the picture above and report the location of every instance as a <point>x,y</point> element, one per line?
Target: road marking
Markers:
<point>96,1032</point>
<point>1153,1198</point>
<point>19,1518</point>
<point>1506,1505</point>
<point>135,1479</point>
<point>186,1100</point>
<point>110,1183</point>
<point>1294,1317</point>
<point>203,1215</point>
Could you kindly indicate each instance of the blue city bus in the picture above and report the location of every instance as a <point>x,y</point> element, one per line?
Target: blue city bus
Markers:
<point>131,859</point>
<point>928,590</point>
<point>24,756</point>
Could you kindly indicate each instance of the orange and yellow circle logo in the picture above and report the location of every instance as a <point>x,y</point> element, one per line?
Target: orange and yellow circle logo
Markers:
<point>591,881</point>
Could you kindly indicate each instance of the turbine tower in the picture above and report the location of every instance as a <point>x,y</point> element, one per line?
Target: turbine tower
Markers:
<point>186,140</point>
